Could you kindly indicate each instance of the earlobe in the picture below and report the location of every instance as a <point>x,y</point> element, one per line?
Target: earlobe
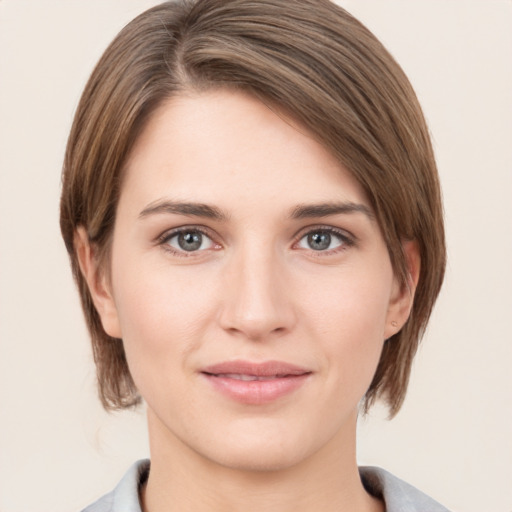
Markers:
<point>402,298</point>
<point>97,282</point>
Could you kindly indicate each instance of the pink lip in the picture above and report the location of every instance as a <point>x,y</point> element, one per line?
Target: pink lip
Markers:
<point>255,383</point>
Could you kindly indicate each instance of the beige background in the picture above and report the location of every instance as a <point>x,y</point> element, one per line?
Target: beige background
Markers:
<point>453,438</point>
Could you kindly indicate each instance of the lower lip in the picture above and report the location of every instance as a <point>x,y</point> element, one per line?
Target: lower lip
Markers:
<point>257,392</point>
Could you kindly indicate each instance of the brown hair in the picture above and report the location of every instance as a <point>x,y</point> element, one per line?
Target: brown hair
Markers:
<point>308,57</point>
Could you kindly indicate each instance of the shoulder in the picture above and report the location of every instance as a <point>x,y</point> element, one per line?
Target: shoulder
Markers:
<point>125,496</point>
<point>399,496</point>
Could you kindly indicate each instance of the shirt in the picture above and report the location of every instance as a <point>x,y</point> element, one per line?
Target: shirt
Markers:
<point>397,495</point>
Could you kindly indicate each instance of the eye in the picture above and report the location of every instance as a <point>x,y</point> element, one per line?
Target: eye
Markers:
<point>324,239</point>
<point>188,240</point>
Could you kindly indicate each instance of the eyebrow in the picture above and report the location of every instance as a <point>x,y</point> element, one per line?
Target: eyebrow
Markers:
<point>325,209</point>
<point>183,208</point>
<point>301,211</point>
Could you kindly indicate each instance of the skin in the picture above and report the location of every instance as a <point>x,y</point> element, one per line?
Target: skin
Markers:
<point>255,290</point>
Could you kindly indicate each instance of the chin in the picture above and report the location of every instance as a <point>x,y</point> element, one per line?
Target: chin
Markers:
<point>254,452</point>
<point>256,459</point>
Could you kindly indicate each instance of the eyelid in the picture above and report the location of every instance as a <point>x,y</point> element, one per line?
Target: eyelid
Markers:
<point>347,237</point>
<point>170,233</point>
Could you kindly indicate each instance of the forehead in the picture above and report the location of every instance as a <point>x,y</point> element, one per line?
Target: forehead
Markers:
<point>216,145</point>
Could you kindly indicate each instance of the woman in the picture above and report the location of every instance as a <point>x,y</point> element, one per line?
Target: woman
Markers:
<point>252,210</point>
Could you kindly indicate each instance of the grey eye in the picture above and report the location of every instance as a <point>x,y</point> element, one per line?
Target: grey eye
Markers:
<point>190,241</point>
<point>321,240</point>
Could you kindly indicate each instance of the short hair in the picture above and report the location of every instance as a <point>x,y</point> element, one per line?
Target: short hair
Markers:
<point>309,58</point>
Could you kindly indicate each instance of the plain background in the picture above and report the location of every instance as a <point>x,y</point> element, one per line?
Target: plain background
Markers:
<point>453,438</point>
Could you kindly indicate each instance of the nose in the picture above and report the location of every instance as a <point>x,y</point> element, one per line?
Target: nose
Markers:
<point>258,301</point>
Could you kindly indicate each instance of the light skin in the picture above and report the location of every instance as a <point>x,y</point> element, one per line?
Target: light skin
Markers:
<point>238,237</point>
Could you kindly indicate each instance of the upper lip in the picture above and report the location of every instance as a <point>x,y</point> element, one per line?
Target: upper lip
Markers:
<point>263,369</point>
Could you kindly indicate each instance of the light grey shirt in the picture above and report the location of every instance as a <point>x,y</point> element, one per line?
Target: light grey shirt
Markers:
<point>396,494</point>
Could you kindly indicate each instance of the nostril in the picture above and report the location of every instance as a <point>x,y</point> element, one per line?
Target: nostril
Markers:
<point>256,332</point>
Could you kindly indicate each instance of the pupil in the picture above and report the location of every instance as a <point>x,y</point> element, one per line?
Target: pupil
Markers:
<point>319,241</point>
<point>190,241</point>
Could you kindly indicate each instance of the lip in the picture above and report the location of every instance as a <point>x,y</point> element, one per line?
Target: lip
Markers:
<point>255,383</point>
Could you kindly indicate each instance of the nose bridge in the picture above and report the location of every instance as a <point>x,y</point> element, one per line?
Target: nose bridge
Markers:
<point>258,303</point>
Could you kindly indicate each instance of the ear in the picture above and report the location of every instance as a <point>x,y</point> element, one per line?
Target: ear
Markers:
<point>97,281</point>
<point>402,296</point>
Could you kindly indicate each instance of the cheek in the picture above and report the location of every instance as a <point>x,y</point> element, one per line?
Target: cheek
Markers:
<point>161,313</point>
<point>352,300</point>
<point>348,318</point>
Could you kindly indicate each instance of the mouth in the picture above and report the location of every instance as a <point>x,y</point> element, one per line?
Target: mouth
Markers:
<point>255,383</point>
<point>248,378</point>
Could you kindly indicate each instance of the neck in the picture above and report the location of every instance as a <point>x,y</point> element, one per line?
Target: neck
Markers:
<point>181,479</point>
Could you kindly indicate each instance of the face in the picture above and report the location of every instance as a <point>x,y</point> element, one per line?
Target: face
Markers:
<point>249,282</point>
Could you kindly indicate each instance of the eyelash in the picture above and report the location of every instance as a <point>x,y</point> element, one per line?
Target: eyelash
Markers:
<point>346,240</point>
<point>163,240</point>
